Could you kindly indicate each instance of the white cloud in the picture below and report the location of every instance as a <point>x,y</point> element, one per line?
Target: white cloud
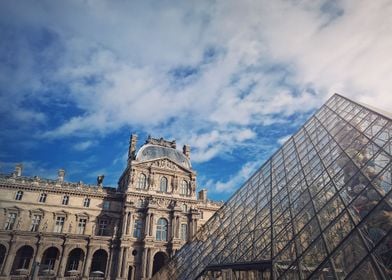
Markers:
<point>283,139</point>
<point>208,145</point>
<point>235,181</point>
<point>84,145</point>
<point>268,60</point>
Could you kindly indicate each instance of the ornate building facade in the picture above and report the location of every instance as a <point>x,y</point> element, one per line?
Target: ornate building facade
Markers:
<point>53,229</point>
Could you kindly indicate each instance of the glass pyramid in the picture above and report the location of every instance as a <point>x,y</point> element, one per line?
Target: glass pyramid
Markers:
<point>319,208</point>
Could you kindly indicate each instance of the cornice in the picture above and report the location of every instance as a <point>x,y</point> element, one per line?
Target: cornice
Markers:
<point>59,187</point>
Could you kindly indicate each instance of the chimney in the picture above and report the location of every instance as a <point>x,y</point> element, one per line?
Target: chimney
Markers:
<point>132,148</point>
<point>18,170</point>
<point>203,195</point>
<point>60,175</point>
<point>187,151</point>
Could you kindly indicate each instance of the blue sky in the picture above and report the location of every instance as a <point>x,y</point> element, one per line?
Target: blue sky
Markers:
<point>233,79</point>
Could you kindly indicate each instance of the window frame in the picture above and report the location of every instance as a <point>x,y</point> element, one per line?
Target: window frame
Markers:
<point>65,200</point>
<point>59,227</point>
<point>103,225</point>
<point>10,222</point>
<point>163,185</point>
<point>86,202</point>
<point>142,181</point>
<point>162,230</point>
<point>137,228</point>
<point>106,205</point>
<point>184,188</point>
<point>35,223</point>
<point>42,197</point>
<point>184,235</point>
<point>82,224</point>
<point>19,195</point>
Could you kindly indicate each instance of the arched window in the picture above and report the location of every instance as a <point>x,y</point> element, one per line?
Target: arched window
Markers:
<point>50,256</point>
<point>161,230</point>
<point>163,185</point>
<point>19,195</point>
<point>184,208</point>
<point>23,258</point>
<point>142,183</point>
<point>3,251</point>
<point>139,203</point>
<point>98,263</point>
<point>160,259</point>
<point>42,197</point>
<point>75,260</point>
<point>184,188</point>
<point>65,200</point>
<point>86,202</point>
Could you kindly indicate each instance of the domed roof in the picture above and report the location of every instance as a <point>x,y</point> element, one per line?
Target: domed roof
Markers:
<point>150,151</point>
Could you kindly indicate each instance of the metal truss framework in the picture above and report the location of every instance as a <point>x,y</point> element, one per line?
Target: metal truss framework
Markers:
<point>319,208</point>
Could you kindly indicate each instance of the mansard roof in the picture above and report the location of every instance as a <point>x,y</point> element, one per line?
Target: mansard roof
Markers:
<point>156,151</point>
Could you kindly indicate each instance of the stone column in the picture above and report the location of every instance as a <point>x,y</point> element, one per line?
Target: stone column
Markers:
<point>120,262</point>
<point>150,263</point>
<point>129,223</point>
<point>109,272</point>
<point>38,256</point>
<point>177,226</point>
<point>124,262</point>
<point>151,225</point>
<point>147,225</point>
<point>170,233</point>
<point>174,227</point>
<point>195,227</point>
<point>87,262</point>
<point>63,259</point>
<point>9,259</point>
<point>145,263</point>
<point>125,223</point>
<point>190,227</point>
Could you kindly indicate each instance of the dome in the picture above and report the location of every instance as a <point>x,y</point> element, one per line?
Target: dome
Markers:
<point>149,152</point>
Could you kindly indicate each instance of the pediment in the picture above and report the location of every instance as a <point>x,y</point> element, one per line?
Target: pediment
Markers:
<point>61,213</point>
<point>83,215</point>
<point>163,163</point>
<point>14,209</point>
<point>38,211</point>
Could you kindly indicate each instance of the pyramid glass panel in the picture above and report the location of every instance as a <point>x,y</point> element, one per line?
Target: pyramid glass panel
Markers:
<point>319,208</point>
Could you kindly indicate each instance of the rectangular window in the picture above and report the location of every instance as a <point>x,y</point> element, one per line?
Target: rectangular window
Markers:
<point>106,205</point>
<point>59,224</point>
<point>65,200</point>
<point>137,229</point>
<point>19,195</point>
<point>35,221</point>
<point>10,223</point>
<point>184,232</point>
<point>103,225</point>
<point>86,202</point>
<point>82,226</point>
<point>42,197</point>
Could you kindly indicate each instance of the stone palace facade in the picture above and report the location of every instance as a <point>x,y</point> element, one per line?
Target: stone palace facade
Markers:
<point>53,229</point>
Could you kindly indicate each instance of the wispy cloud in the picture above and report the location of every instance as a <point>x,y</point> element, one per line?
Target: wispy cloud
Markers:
<point>211,74</point>
<point>84,145</point>
<point>283,139</point>
<point>235,181</point>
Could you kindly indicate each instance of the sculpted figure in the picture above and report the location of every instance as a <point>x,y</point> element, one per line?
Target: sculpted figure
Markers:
<point>100,180</point>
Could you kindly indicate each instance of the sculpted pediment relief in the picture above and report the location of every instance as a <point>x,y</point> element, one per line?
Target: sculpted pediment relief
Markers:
<point>163,163</point>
